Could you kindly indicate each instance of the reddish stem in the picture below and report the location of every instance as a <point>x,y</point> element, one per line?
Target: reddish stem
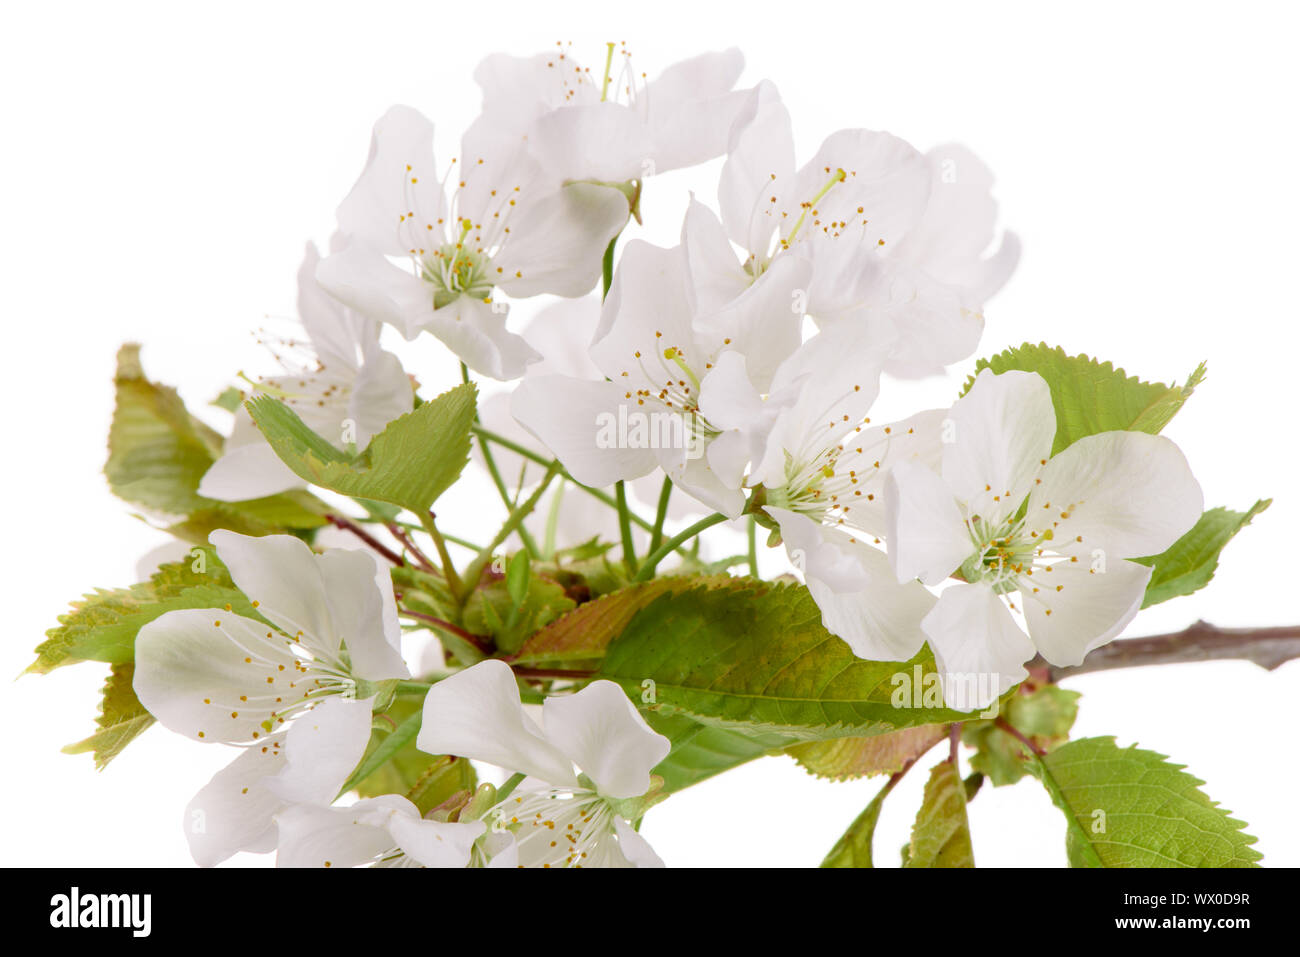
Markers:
<point>340,521</point>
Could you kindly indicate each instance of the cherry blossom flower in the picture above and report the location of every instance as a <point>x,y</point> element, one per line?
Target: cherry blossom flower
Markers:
<point>560,816</point>
<point>292,691</point>
<point>351,390</point>
<point>1042,544</point>
<point>496,221</point>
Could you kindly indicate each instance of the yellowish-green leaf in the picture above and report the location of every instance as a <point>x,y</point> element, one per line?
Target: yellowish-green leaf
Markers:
<point>410,463</point>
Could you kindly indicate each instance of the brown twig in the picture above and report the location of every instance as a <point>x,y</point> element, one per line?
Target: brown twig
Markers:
<point>481,642</point>
<point>1002,723</point>
<point>400,534</point>
<point>1266,647</point>
<point>339,521</point>
<point>523,672</point>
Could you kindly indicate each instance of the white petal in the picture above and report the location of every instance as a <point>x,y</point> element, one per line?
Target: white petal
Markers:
<point>322,748</point>
<point>717,276</point>
<point>361,278</point>
<point>1001,434</point>
<point>690,109</point>
<point>246,472</point>
<point>853,585</point>
<point>1081,605</point>
<point>765,321</point>
<point>600,731</point>
<point>634,847</point>
<point>476,714</point>
<point>435,843</point>
<point>979,650</point>
<point>234,811</point>
<point>584,425</point>
<point>359,593</point>
<point>316,836</point>
<point>876,450</point>
<point>931,325</point>
<point>761,155</point>
<point>400,178</point>
<point>647,311</point>
<point>926,534</point>
<point>280,573</point>
<point>381,393</point>
<point>562,332</point>
<point>602,142</point>
<point>202,672</point>
<point>1129,494</point>
<point>517,90</point>
<point>557,244</point>
<point>825,390</point>
<point>691,471</point>
<point>334,333</point>
<point>476,331</point>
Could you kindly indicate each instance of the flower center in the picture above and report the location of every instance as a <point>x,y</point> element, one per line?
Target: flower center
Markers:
<point>454,270</point>
<point>557,827</point>
<point>1003,552</point>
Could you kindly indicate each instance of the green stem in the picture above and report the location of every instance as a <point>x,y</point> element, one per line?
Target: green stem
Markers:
<point>454,583</point>
<point>553,522</point>
<point>532,456</point>
<point>625,527</point>
<point>752,553</point>
<point>524,535</point>
<point>607,269</point>
<point>508,788</point>
<point>652,560</point>
<point>661,513</point>
<point>513,520</point>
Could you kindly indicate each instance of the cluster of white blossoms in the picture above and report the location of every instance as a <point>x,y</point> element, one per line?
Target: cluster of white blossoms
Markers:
<point>742,364</point>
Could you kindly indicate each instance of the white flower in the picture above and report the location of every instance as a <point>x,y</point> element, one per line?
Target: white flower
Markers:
<point>653,356</point>
<point>504,225</point>
<point>561,817</point>
<point>350,392</point>
<point>561,333</point>
<point>861,192</point>
<point>235,811</point>
<point>288,687</point>
<point>819,466</point>
<point>928,302</point>
<point>611,127</point>
<point>385,831</point>
<point>1041,542</point>
<point>894,238</point>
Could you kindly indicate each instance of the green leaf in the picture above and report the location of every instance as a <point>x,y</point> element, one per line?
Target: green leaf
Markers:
<point>122,718</point>
<point>841,759</point>
<point>230,399</point>
<point>392,764</point>
<point>1189,563</point>
<point>581,637</point>
<point>941,834</point>
<point>1091,396</point>
<point>410,463</point>
<point>443,778</point>
<point>492,610</point>
<point>753,656</point>
<point>700,751</point>
<point>102,626</point>
<point>853,849</point>
<point>1045,716</point>
<point>1127,807</point>
<point>158,454</point>
<point>518,575</point>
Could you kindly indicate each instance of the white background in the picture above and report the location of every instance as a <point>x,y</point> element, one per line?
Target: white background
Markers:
<point>162,166</point>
